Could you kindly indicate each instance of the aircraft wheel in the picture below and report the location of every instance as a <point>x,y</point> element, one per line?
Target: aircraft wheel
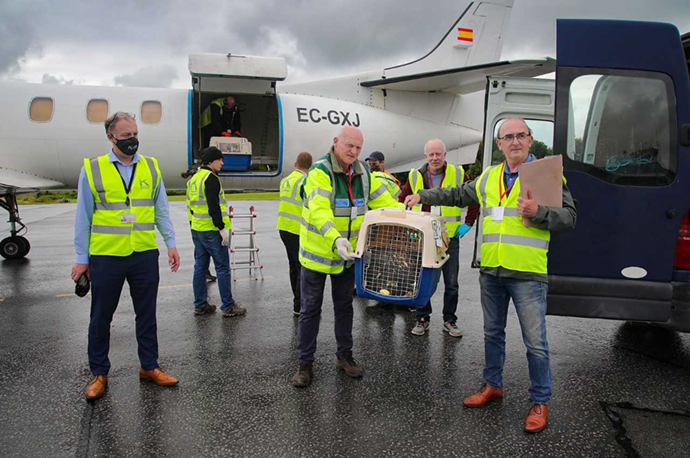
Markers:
<point>14,248</point>
<point>27,245</point>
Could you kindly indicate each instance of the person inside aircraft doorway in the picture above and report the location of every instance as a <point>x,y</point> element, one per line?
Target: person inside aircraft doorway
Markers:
<point>221,118</point>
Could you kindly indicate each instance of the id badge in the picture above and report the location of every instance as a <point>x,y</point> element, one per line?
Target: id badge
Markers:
<point>353,213</point>
<point>436,210</point>
<point>128,218</point>
<point>497,214</point>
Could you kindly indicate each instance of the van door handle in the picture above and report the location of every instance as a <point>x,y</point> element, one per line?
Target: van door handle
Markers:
<point>671,214</point>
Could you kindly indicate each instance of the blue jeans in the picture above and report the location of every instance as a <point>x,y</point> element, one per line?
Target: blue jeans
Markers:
<point>312,284</point>
<point>529,298</point>
<point>207,245</point>
<point>450,283</point>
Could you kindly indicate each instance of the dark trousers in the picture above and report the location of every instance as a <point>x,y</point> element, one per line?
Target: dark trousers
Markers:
<point>312,284</point>
<point>291,242</point>
<point>108,275</point>
<point>450,283</point>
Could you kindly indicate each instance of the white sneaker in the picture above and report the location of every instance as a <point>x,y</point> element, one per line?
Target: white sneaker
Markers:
<point>420,328</point>
<point>452,329</point>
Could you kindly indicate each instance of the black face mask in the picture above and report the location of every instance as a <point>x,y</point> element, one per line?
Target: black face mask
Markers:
<point>129,146</point>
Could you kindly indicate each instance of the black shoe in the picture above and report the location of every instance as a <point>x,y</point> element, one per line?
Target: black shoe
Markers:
<point>347,363</point>
<point>209,277</point>
<point>207,308</point>
<point>303,376</point>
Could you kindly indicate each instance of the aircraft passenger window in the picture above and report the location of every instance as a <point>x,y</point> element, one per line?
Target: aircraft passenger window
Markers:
<point>151,112</point>
<point>97,110</point>
<point>542,140</point>
<point>41,109</point>
<point>621,125</point>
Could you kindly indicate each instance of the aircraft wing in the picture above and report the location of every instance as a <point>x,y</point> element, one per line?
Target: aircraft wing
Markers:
<point>22,182</point>
<point>464,80</point>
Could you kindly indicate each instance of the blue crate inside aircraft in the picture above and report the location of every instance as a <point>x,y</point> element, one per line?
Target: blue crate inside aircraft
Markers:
<point>399,256</point>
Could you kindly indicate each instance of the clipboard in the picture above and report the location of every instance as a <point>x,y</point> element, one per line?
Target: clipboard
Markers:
<point>545,178</point>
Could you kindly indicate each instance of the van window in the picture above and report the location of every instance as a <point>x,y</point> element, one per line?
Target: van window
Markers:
<point>97,110</point>
<point>41,109</point>
<point>621,127</point>
<point>151,112</point>
<point>542,140</point>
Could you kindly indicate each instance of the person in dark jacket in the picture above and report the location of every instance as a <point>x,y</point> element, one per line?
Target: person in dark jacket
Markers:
<point>221,118</point>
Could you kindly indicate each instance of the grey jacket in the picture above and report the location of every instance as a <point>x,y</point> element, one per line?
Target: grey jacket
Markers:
<point>551,218</point>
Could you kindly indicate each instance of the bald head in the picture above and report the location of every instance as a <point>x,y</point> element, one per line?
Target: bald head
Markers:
<point>348,145</point>
<point>515,140</point>
<point>513,122</point>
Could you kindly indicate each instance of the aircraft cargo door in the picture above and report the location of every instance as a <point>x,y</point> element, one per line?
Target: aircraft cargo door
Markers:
<point>248,129</point>
<point>532,99</point>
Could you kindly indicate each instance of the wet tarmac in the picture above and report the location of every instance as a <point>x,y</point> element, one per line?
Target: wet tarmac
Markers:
<point>619,390</point>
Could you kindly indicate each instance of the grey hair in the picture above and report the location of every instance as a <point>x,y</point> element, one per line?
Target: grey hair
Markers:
<point>426,145</point>
<point>115,118</point>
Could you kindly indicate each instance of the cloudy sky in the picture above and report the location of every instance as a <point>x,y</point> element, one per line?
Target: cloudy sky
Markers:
<point>146,43</point>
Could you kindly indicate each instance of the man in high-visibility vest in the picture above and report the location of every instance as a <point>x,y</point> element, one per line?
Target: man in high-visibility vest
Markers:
<point>121,199</point>
<point>338,191</point>
<point>211,226</point>
<point>513,264</point>
<point>220,118</point>
<point>377,166</point>
<point>289,220</point>
<point>437,173</point>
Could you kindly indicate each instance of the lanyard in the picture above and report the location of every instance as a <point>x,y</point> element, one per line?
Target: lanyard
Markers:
<point>131,180</point>
<point>349,185</point>
<point>502,193</point>
<point>431,179</point>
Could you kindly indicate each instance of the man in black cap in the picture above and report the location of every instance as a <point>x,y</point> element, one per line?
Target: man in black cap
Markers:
<point>377,165</point>
<point>211,233</point>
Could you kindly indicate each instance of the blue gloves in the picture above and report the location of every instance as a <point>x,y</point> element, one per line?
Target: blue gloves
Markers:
<point>462,230</point>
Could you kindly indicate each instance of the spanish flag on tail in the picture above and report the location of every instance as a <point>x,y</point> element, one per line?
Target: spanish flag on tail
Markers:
<point>466,35</point>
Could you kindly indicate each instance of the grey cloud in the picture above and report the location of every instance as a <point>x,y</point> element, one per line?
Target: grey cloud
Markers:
<point>50,79</point>
<point>17,34</point>
<point>154,76</point>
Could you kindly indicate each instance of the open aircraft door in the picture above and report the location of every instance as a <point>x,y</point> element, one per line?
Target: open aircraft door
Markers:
<point>257,149</point>
<point>530,98</point>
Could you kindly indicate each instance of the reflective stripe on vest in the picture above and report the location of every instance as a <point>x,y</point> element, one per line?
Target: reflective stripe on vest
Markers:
<point>110,236</point>
<point>508,243</point>
<point>290,206</point>
<point>197,205</point>
<point>454,176</point>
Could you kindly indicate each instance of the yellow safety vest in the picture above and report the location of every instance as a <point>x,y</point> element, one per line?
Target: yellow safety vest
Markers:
<point>328,211</point>
<point>389,182</point>
<point>197,205</point>
<point>205,118</point>
<point>290,207</point>
<point>110,235</point>
<point>509,243</point>
<point>451,215</point>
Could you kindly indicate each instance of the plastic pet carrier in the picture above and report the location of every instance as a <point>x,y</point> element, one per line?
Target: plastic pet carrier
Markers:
<point>399,256</point>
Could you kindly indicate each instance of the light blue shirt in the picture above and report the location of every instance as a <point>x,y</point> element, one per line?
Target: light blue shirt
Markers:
<point>86,205</point>
<point>510,177</point>
<point>436,180</point>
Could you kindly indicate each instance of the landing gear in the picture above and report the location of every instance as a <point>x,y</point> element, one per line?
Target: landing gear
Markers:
<point>15,246</point>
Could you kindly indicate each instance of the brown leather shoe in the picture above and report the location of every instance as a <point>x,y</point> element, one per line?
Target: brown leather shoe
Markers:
<point>158,377</point>
<point>347,363</point>
<point>536,419</point>
<point>96,387</point>
<point>484,395</point>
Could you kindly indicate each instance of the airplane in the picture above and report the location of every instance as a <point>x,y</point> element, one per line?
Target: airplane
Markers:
<point>47,130</point>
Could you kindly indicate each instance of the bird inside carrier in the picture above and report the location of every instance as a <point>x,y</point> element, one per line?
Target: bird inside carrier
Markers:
<point>400,254</point>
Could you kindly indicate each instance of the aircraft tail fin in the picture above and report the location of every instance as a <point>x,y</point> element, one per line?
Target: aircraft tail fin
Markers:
<point>475,38</point>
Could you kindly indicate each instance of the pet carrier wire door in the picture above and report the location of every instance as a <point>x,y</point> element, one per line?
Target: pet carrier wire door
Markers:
<point>399,256</point>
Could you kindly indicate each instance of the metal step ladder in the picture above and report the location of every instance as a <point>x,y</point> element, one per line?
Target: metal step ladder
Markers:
<point>252,264</point>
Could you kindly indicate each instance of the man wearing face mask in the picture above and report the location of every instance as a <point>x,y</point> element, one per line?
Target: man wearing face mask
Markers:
<point>377,165</point>
<point>121,200</point>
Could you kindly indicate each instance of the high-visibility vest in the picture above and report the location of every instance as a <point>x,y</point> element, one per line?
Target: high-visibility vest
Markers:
<point>509,243</point>
<point>455,176</point>
<point>390,183</point>
<point>290,207</point>
<point>205,118</point>
<point>110,235</point>
<point>197,205</point>
<point>328,212</point>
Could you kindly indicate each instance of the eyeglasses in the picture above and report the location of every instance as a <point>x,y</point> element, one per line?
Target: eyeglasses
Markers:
<point>521,136</point>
